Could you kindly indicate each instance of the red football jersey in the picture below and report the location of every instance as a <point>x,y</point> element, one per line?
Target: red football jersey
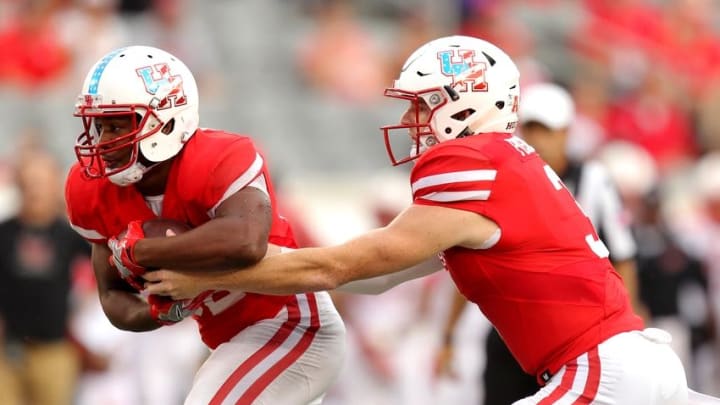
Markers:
<point>545,282</point>
<point>212,166</point>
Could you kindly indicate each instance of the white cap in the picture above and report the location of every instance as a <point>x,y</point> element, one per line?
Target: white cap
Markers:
<point>630,166</point>
<point>707,176</point>
<point>548,104</point>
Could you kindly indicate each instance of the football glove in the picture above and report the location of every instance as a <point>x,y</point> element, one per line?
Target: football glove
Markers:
<point>122,259</point>
<point>167,311</point>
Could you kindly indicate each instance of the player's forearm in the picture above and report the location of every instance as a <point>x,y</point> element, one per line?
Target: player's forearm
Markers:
<point>219,244</point>
<point>289,273</point>
<point>127,311</point>
<point>313,269</point>
<point>317,269</point>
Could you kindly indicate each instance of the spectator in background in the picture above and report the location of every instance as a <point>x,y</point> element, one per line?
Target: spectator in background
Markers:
<point>38,250</point>
<point>702,235</point>
<point>99,17</point>
<point>590,93</point>
<point>546,114</point>
<point>415,28</point>
<point>493,20</point>
<point>651,117</point>
<point>689,45</point>
<point>620,36</point>
<point>33,55</point>
<point>673,283</point>
<point>339,58</point>
<point>172,25</point>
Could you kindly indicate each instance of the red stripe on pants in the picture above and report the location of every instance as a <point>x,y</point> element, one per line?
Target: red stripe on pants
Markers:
<point>564,386</point>
<point>261,383</point>
<point>280,336</point>
<point>593,379</point>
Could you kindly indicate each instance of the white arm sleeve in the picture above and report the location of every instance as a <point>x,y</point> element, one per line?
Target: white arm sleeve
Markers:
<point>380,284</point>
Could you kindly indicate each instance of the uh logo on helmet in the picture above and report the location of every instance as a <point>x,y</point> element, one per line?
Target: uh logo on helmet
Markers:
<point>159,80</point>
<point>466,72</point>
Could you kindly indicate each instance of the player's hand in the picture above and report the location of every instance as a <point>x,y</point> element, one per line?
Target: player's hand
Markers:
<point>167,311</point>
<point>177,284</point>
<point>122,259</point>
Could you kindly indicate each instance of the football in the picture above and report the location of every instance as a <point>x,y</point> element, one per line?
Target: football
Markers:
<point>156,228</point>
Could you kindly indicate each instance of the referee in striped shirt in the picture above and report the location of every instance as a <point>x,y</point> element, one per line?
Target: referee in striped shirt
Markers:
<point>546,113</point>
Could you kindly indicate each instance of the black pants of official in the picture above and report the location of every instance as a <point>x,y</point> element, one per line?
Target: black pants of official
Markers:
<point>505,381</point>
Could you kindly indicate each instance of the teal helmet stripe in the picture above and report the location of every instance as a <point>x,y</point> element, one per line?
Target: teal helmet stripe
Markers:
<point>99,69</point>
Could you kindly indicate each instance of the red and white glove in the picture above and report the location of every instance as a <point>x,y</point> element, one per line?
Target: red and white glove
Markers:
<point>122,258</point>
<point>167,311</point>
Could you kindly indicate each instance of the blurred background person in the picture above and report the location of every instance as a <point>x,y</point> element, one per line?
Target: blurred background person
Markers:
<point>74,20</point>
<point>34,54</point>
<point>699,232</point>
<point>672,283</point>
<point>339,49</point>
<point>39,252</point>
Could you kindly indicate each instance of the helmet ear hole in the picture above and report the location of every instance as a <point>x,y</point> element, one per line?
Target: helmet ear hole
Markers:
<point>500,105</point>
<point>168,128</point>
<point>462,115</point>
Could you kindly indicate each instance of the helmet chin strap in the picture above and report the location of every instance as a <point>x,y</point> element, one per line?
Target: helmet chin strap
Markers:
<point>131,175</point>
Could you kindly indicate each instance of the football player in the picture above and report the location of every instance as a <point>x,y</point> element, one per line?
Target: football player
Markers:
<point>509,232</point>
<point>140,156</point>
<point>545,117</point>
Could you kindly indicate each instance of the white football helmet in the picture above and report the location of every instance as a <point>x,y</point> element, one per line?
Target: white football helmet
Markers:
<point>152,87</point>
<point>471,86</point>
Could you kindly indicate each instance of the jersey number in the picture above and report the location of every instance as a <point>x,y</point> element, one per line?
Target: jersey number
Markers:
<point>221,304</point>
<point>596,245</point>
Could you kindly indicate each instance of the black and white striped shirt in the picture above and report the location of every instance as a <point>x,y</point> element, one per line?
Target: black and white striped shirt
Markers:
<point>595,191</point>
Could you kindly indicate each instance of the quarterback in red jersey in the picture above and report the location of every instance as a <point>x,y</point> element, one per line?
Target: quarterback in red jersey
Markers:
<point>142,156</point>
<point>511,235</point>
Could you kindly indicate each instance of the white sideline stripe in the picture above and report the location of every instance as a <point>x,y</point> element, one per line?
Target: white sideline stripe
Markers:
<point>87,233</point>
<point>449,196</point>
<point>250,174</point>
<point>287,346</point>
<point>454,177</point>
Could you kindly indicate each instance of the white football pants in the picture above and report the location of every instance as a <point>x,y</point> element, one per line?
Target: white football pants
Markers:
<point>631,368</point>
<point>291,359</point>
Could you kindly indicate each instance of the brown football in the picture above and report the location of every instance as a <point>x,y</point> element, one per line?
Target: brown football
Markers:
<point>157,228</point>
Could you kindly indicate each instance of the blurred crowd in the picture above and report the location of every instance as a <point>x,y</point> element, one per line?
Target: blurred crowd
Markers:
<point>644,76</point>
